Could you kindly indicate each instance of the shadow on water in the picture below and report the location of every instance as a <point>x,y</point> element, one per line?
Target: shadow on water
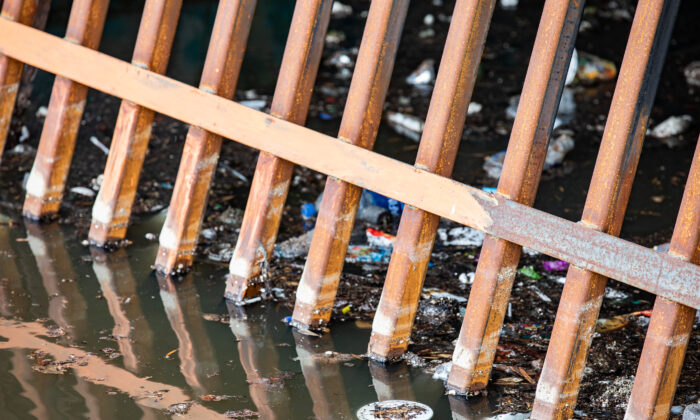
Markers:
<point>116,341</point>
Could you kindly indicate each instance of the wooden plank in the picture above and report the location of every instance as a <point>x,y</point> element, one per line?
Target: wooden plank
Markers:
<point>583,247</point>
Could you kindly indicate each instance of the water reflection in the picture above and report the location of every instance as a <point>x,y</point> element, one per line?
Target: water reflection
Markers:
<point>198,362</point>
<point>391,382</point>
<point>119,289</point>
<point>322,376</point>
<point>260,361</point>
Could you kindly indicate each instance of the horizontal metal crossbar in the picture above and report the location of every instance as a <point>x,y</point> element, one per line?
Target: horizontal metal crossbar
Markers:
<point>586,248</point>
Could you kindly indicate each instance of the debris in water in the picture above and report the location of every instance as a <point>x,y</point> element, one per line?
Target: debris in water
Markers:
<point>224,319</point>
<point>242,414</point>
<point>692,73</point>
<point>671,126</point>
<point>215,398</point>
<point>24,134</point>
<point>340,10</point>
<point>406,125</point>
<point>424,75</point>
<point>94,140</point>
<point>556,265</point>
<point>87,192</point>
<point>595,69</point>
<point>179,408</point>
<point>395,409</point>
<point>379,239</point>
<point>442,371</point>
<point>170,353</point>
<point>461,236</point>
<point>42,112</point>
<point>530,272</point>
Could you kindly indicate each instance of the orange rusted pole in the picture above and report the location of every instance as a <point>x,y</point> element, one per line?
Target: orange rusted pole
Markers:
<point>363,112</point>
<point>527,149</point>
<point>21,11</point>
<point>557,389</point>
<point>47,179</point>
<point>201,154</point>
<point>268,192</point>
<point>671,323</point>
<point>437,153</point>
<point>179,235</point>
<point>112,208</point>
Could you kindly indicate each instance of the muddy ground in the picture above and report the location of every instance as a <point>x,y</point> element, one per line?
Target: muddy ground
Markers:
<point>649,221</point>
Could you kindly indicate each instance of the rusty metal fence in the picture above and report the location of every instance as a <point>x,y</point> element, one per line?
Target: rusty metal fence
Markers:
<point>591,246</point>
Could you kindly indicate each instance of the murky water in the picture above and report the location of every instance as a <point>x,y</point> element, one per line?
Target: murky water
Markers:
<point>164,352</point>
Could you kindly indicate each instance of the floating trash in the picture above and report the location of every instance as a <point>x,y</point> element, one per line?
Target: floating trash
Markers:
<point>395,409</point>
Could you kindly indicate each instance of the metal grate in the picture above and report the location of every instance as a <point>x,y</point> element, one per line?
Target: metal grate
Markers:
<point>591,246</point>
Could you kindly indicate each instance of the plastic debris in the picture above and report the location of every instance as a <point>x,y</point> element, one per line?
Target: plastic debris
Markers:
<point>461,236</point>
<point>335,37</point>
<point>24,134</point>
<point>346,309</point>
<point>308,211</point>
<point>42,112</point>
<point>94,140</point>
<point>373,208</point>
<point>540,294</point>
<point>423,75</point>
<point>340,10</point>
<point>556,152</point>
<point>442,371</point>
<point>592,68</point>
<point>87,192</point>
<point>573,67</point>
<point>565,111</point>
<point>367,254</point>
<point>509,4</point>
<point>406,125</point>
<point>606,325</point>
<point>294,247</point>
<point>692,73</point>
<point>466,278</point>
<point>379,239</point>
<point>446,295</point>
<point>557,265</point>
<point>530,272</point>
<point>671,126</point>
<point>692,412</point>
<point>428,20</point>
<point>615,294</point>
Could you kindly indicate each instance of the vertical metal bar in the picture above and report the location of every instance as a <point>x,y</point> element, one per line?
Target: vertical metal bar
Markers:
<point>391,328</point>
<point>671,323</point>
<point>557,389</point>
<point>112,208</point>
<point>21,11</point>
<point>201,154</point>
<point>363,112</point>
<point>268,192</point>
<point>527,149</point>
<point>47,179</point>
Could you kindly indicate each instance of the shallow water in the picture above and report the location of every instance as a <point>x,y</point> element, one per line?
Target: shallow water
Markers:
<point>115,301</point>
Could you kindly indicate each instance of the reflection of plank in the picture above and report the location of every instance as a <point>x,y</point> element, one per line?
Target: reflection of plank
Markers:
<point>67,306</point>
<point>22,371</point>
<point>197,359</point>
<point>131,329</point>
<point>322,377</point>
<point>260,361</point>
<point>391,382</point>
<point>142,391</point>
<point>469,409</point>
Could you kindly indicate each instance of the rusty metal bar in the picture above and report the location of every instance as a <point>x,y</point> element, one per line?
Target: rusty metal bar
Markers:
<point>391,329</point>
<point>47,179</point>
<point>112,208</point>
<point>21,11</point>
<point>363,112</point>
<point>585,248</point>
<point>268,191</point>
<point>527,148</point>
<point>557,389</point>
<point>671,324</point>
<point>201,154</point>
